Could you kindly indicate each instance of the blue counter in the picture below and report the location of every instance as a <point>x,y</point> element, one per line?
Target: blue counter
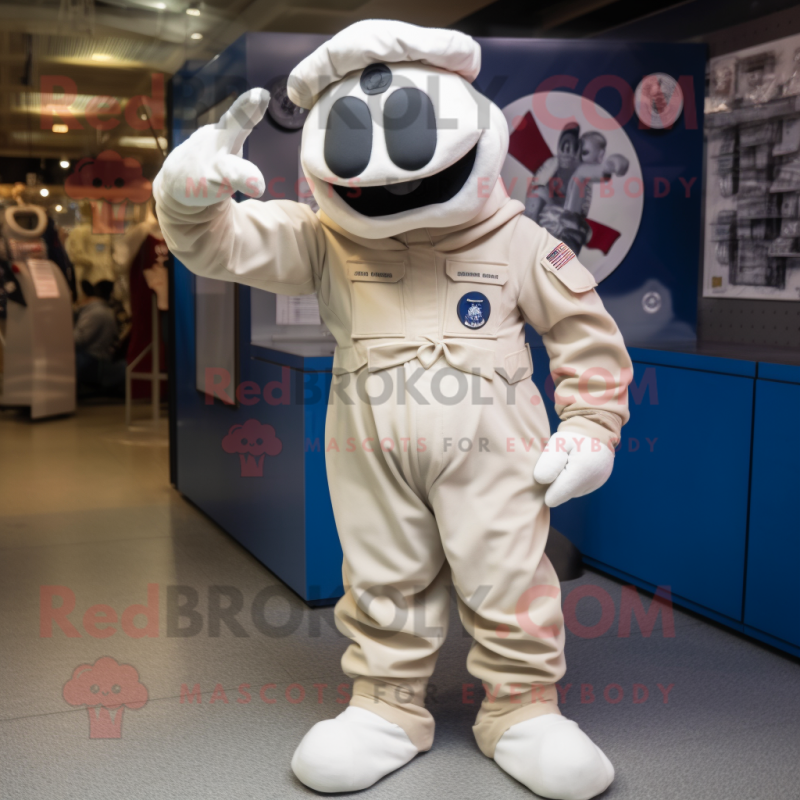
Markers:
<point>703,498</point>
<point>772,607</point>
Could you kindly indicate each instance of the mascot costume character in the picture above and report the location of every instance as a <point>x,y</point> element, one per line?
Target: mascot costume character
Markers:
<point>426,273</point>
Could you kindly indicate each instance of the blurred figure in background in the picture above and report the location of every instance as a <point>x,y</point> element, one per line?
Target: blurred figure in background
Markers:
<point>96,335</point>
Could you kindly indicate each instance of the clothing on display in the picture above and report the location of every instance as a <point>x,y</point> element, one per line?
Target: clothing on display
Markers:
<point>92,254</point>
<point>57,254</point>
<point>10,290</point>
<point>151,254</point>
<point>426,277</point>
<point>157,277</point>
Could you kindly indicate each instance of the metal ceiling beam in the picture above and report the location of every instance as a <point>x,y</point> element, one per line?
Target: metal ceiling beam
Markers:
<point>145,157</point>
<point>138,25</point>
<point>562,13</point>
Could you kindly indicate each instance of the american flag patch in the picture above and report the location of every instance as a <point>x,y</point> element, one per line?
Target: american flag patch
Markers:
<point>560,256</point>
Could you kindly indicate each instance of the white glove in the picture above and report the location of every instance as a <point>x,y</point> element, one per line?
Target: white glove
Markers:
<point>208,168</point>
<point>573,464</point>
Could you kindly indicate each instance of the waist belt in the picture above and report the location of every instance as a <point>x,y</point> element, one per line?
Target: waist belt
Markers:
<point>467,357</point>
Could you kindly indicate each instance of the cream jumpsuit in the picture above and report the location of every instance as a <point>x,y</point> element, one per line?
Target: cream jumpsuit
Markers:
<point>433,431</point>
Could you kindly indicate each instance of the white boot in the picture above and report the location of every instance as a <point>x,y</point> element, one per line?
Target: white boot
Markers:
<point>554,758</point>
<point>351,752</point>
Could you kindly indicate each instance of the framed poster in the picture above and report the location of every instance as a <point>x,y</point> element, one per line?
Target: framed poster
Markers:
<point>752,237</point>
<point>606,153</point>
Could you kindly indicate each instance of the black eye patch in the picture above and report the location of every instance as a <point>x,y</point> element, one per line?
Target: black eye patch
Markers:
<point>348,139</point>
<point>410,128</point>
<point>376,79</point>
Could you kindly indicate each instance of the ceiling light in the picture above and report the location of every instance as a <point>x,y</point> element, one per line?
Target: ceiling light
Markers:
<point>144,142</point>
<point>59,209</point>
<point>193,11</point>
<point>64,164</point>
<point>60,127</point>
<point>196,36</point>
<point>44,192</point>
<point>160,6</point>
<point>101,57</point>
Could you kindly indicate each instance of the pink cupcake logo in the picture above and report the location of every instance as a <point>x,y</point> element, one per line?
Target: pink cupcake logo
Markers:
<point>252,441</point>
<point>109,182</point>
<point>106,688</point>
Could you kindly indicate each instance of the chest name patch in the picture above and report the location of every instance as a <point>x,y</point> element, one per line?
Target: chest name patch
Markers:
<point>474,310</point>
<point>560,256</point>
<point>373,275</point>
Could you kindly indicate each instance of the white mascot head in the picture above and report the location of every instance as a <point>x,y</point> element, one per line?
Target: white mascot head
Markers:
<point>397,138</point>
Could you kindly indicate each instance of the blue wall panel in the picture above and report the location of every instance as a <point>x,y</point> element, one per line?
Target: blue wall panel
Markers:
<point>674,512</point>
<point>773,555</point>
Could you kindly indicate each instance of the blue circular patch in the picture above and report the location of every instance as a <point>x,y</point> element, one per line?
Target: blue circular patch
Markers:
<point>474,310</point>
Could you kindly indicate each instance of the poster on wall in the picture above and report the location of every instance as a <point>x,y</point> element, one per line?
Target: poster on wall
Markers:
<point>572,177</point>
<point>752,241</point>
<point>606,153</point>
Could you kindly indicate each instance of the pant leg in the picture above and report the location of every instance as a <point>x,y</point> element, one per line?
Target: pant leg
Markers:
<point>494,525</point>
<point>396,602</point>
<point>86,369</point>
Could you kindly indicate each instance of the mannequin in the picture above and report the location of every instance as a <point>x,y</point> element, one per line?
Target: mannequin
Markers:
<point>426,273</point>
<point>38,352</point>
<point>127,248</point>
<point>22,227</point>
<point>148,252</point>
<point>92,254</point>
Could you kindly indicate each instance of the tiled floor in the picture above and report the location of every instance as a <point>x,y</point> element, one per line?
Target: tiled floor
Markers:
<point>87,507</point>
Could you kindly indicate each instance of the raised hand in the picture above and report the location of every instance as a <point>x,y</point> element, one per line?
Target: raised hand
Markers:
<point>208,167</point>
